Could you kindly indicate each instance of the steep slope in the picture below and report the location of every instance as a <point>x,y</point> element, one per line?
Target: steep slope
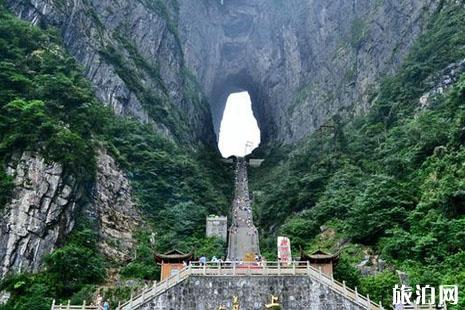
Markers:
<point>170,65</point>
<point>301,60</point>
<point>82,187</point>
<point>389,183</point>
<point>131,53</point>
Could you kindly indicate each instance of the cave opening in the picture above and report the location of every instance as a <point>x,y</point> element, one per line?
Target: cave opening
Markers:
<point>239,133</point>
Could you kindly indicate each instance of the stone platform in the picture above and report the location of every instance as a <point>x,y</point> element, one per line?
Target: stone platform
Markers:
<point>208,287</point>
<point>253,292</point>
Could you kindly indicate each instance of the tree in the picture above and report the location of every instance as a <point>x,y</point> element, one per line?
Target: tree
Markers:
<point>383,204</point>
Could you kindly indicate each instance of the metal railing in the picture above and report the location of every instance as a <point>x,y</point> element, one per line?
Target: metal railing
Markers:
<point>250,269</point>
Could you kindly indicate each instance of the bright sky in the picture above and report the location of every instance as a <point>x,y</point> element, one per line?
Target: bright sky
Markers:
<point>238,126</point>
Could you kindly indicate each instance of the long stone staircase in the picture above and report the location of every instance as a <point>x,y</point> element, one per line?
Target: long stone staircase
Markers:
<point>208,286</point>
<point>243,235</point>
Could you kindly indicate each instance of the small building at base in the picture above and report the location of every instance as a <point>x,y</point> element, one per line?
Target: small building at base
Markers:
<point>320,259</point>
<point>172,262</point>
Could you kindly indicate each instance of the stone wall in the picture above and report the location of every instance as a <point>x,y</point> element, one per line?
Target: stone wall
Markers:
<point>209,293</point>
<point>217,226</point>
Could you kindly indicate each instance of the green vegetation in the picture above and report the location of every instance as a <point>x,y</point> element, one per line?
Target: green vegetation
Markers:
<point>43,99</point>
<point>6,186</point>
<point>69,271</point>
<point>390,182</point>
<point>142,267</point>
<point>46,106</point>
<point>358,30</point>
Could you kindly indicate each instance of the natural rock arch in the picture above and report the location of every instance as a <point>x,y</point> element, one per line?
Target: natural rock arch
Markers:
<point>238,83</point>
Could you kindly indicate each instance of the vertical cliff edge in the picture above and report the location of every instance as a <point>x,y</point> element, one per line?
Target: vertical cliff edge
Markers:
<point>164,68</point>
<point>173,63</point>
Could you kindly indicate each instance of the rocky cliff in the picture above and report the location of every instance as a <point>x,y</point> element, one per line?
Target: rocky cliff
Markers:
<point>113,208</point>
<point>301,60</point>
<point>172,64</point>
<point>40,214</point>
<point>131,53</point>
<point>45,205</point>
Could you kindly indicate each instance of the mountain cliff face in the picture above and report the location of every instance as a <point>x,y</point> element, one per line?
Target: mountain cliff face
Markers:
<point>41,212</point>
<point>301,60</point>
<point>114,210</point>
<point>170,65</point>
<point>46,203</point>
<point>383,189</point>
<point>81,162</point>
<point>131,53</point>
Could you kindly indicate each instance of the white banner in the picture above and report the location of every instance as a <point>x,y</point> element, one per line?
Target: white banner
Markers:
<point>284,249</point>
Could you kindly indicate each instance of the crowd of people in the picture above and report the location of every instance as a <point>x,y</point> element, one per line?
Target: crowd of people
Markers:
<point>243,233</point>
<point>242,212</point>
<point>203,260</point>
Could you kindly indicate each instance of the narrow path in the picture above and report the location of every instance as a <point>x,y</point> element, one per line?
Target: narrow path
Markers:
<point>243,235</point>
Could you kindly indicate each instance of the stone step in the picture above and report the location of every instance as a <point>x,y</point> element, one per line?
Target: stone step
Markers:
<point>251,271</point>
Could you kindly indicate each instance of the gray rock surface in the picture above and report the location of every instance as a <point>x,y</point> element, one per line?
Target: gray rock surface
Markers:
<point>114,210</point>
<point>131,54</point>
<point>440,82</point>
<point>4,297</point>
<point>39,215</point>
<point>44,207</point>
<point>301,60</point>
<point>209,293</point>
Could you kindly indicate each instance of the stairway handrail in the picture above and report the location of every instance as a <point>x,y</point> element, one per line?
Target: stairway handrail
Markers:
<point>250,269</point>
<point>157,288</point>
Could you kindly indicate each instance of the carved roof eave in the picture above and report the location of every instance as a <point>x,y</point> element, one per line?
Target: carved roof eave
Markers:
<point>173,256</point>
<point>319,256</point>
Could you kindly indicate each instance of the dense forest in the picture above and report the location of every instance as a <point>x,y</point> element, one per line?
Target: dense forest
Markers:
<point>388,183</point>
